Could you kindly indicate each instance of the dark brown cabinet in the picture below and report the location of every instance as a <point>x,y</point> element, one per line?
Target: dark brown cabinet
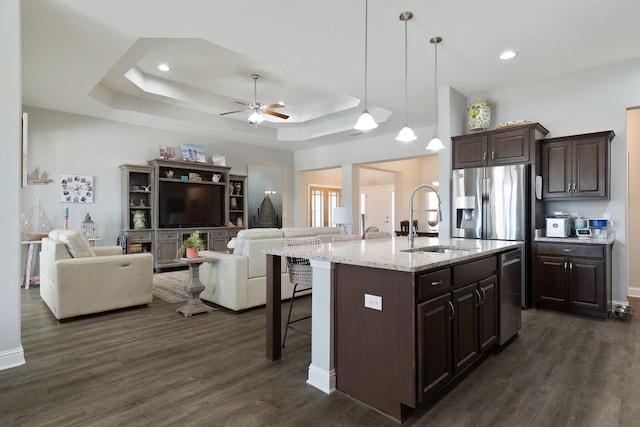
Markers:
<point>504,146</point>
<point>576,166</point>
<point>457,323</point>
<point>574,278</point>
<point>435,367</point>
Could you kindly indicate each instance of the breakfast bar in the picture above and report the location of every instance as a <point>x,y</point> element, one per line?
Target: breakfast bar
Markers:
<point>376,303</point>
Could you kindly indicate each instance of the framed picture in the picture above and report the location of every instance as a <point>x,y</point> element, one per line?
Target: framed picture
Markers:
<point>167,153</point>
<point>193,153</point>
<point>218,159</point>
<point>76,188</point>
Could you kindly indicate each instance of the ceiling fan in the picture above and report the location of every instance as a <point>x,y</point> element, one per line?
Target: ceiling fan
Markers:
<point>258,108</point>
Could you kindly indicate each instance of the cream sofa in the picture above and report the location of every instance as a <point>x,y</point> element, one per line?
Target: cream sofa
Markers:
<point>238,280</point>
<point>76,279</point>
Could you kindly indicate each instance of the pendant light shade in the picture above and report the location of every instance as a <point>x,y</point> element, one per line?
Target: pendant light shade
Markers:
<point>406,134</point>
<point>435,144</point>
<point>366,120</point>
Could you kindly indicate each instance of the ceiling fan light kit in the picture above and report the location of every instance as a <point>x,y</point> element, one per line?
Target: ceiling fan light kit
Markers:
<point>366,120</point>
<point>406,134</point>
<point>256,108</point>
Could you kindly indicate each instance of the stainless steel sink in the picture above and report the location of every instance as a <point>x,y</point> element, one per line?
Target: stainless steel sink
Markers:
<point>451,250</point>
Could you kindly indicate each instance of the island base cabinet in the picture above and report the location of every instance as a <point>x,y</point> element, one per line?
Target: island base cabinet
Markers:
<point>435,363</point>
<point>375,337</point>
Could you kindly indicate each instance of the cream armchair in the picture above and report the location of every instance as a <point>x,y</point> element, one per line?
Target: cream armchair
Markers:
<point>76,279</point>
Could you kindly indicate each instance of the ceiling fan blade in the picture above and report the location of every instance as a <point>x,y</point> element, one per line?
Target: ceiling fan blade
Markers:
<point>270,106</point>
<point>242,103</point>
<point>231,112</point>
<point>273,113</point>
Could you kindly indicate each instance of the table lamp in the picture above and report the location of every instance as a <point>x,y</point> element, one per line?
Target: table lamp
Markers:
<point>342,218</point>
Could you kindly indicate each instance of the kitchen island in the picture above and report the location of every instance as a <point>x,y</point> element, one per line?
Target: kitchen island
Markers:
<point>394,326</point>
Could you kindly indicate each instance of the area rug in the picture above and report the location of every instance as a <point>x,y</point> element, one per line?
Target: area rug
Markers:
<point>170,286</point>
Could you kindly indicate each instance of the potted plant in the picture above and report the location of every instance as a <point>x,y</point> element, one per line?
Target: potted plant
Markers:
<point>191,246</point>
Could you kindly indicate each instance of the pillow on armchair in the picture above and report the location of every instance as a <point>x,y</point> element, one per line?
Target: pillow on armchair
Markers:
<point>76,243</point>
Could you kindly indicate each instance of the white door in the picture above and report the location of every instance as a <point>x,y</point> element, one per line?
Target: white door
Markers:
<point>378,207</point>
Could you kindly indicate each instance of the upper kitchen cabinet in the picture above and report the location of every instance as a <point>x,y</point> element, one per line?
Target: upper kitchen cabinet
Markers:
<point>505,146</point>
<point>576,166</point>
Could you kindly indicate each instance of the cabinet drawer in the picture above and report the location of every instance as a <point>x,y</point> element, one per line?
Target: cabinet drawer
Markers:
<point>580,250</point>
<point>139,237</point>
<point>168,235</point>
<point>217,234</point>
<point>474,270</point>
<point>433,283</point>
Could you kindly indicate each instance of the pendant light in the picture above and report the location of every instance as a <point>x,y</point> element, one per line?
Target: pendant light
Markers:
<point>406,133</point>
<point>365,121</point>
<point>435,144</point>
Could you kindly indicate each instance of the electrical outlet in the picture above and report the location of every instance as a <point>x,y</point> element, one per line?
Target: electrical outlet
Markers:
<point>373,302</point>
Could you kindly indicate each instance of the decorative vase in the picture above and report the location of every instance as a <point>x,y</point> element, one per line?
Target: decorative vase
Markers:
<point>479,115</point>
<point>192,252</point>
<point>233,203</point>
<point>238,188</point>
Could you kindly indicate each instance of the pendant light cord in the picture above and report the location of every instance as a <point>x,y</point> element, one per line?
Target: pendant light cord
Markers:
<point>406,111</point>
<point>366,48</point>
<point>435,41</point>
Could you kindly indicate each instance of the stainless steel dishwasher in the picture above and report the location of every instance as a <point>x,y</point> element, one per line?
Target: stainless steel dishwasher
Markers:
<point>511,279</point>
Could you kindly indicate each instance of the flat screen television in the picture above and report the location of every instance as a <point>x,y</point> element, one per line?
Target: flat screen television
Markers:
<point>188,204</point>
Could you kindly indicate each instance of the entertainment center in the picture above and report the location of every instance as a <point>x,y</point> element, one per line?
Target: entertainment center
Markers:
<point>165,202</point>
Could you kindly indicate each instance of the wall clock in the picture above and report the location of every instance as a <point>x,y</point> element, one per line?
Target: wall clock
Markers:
<point>76,189</point>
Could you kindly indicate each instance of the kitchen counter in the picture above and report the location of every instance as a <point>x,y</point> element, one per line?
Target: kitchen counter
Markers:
<point>579,240</point>
<point>393,253</point>
<point>393,279</point>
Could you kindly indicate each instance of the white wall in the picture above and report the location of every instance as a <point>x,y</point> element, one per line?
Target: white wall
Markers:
<point>11,352</point>
<point>71,144</point>
<point>580,103</point>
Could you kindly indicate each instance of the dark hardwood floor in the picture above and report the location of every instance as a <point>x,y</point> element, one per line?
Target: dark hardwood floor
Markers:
<point>151,366</point>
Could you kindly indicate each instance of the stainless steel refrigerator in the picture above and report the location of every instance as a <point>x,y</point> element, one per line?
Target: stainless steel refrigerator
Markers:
<point>490,203</point>
<point>494,203</point>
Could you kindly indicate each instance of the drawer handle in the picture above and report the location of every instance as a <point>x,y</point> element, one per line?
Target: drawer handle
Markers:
<point>567,250</point>
<point>436,283</point>
<point>127,264</point>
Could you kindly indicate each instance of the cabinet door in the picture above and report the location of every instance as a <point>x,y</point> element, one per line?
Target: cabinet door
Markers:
<point>509,147</point>
<point>556,170</point>
<point>488,313</point>
<point>434,345</point>
<point>589,170</point>
<point>586,286</point>
<point>465,326</point>
<point>469,151</point>
<point>552,279</point>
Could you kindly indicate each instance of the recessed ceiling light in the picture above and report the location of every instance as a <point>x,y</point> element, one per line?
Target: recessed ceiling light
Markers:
<point>163,67</point>
<point>508,54</point>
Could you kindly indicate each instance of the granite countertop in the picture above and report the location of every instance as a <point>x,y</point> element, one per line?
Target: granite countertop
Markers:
<point>580,240</point>
<point>393,254</point>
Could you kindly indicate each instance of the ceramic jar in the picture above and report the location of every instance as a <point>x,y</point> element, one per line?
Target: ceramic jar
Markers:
<point>479,115</point>
<point>237,186</point>
<point>233,203</point>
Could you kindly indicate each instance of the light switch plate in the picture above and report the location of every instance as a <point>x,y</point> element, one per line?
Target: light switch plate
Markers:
<point>373,301</point>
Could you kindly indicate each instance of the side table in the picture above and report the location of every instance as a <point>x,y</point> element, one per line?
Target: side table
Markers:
<point>194,305</point>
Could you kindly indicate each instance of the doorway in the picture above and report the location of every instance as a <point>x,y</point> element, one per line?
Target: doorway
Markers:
<point>633,202</point>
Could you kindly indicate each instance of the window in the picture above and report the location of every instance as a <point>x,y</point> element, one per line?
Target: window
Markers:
<point>322,200</point>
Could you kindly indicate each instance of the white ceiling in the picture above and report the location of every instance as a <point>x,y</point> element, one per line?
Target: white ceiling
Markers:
<point>99,58</point>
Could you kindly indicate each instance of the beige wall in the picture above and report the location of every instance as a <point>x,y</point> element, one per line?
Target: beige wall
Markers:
<point>633,201</point>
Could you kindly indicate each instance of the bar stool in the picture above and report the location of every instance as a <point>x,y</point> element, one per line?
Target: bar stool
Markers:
<point>300,274</point>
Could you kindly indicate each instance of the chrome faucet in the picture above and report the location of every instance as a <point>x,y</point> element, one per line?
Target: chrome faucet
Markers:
<point>412,231</point>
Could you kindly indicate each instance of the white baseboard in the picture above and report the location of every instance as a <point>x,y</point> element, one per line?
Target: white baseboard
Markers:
<point>633,292</point>
<point>11,358</point>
